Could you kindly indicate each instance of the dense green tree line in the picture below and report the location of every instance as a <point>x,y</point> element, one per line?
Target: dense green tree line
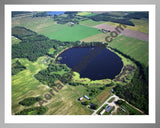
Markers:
<point>29,101</point>
<point>33,111</point>
<point>111,18</point>
<point>120,19</point>
<point>17,67</point>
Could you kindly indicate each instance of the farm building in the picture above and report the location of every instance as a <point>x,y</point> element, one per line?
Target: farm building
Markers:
<point>108,108</point>
<point>86,97</point>
<point>81,98</point>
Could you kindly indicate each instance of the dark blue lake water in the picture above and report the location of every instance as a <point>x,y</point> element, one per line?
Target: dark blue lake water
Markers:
<point>55,12</point>
<point>98,65</point>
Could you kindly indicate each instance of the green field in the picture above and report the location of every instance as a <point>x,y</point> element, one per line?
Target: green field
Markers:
<point>67,33</point>
<point>15,40</point>
<point>135,48</point>
<point>141,25</point>
<point>91,22</point>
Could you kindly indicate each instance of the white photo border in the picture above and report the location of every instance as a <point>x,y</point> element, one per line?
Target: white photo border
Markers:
<point>9,118</point>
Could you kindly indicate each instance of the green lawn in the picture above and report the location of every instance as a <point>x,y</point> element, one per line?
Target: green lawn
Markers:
<point>135,48</point>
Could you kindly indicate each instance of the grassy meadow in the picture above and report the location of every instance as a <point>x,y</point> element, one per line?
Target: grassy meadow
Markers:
<point>98,37</point>
<point>25,85</point>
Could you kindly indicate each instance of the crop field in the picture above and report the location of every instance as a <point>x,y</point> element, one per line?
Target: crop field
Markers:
<point>98,37</point>
<point>140,25</point>
<point>126,32</point>
<point>15,40</point>
<point>67,33</point>
<point>105,94</point>
<point>91,22</point>
<point>135,48</point>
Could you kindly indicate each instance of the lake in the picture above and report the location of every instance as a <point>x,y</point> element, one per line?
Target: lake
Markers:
<point>55,12</point>
<point>102,65</point>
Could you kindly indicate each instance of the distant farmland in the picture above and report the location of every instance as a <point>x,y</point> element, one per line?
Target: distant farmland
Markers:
<point>63,32</point>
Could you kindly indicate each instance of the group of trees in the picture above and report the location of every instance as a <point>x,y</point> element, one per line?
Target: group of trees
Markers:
<point>54,72</point>
<point>17,67</point>
<point>33,111</point>
<point>29,101</point>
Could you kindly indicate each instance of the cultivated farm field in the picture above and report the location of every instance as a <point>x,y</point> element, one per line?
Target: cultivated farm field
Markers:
<point>135,48</point>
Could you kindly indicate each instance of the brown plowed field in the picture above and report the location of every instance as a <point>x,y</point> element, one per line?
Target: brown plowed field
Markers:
<point>126,32</point>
